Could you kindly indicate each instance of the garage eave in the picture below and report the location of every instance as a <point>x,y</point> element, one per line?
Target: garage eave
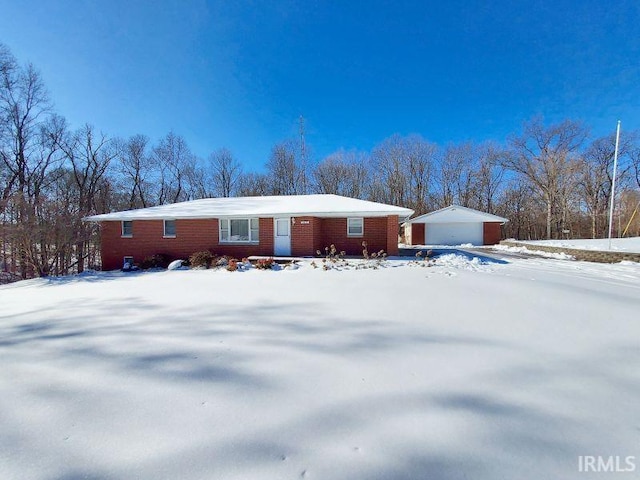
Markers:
<point>457,214</point>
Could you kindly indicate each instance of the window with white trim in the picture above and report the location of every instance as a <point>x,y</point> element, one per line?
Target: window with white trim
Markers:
<point>355,227</point>
<point>239,230</point>
<point>169,229</point>
<point>127,228</point>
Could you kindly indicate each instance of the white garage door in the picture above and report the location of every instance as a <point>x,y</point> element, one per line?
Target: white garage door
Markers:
<point>453,233</point>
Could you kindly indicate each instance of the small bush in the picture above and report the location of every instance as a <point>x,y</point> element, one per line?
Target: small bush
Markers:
<point>332,254</point>
<point>232,265</point>
<point>221,261</point>
<point>423,259</point>
<point>332,258</point>
<point>201,259</point>
<point>265,263</point>
<point>159,260</point>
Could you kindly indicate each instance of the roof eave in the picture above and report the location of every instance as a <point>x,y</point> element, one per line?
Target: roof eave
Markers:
<point>402,216</point>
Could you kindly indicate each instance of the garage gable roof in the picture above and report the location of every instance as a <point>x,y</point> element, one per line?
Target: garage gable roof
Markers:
<point>269,206</point>
<point>457,214</point>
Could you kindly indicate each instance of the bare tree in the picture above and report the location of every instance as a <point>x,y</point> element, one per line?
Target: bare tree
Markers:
<point>546,156</point>
<point>403,171</point>
<point>253,185</point>
<point>390,182</point>
<point>24,111</point>
<point>225,172</point>
<point>489,176</point>
<point>634,155</point>
<point>135,167</point>
<point>89,155</point>
<point>286,174</point>
<point>519,205</point>
<point>342,173</point>
<point>173,158</point>
<point>456,175</point>
<point>421,157</point>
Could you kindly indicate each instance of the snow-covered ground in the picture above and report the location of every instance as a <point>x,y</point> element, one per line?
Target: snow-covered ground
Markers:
<point>617,244</point>
<point>528,251</point>
<point>464,369</point>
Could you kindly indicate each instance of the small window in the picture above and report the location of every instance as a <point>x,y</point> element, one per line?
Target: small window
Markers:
<point>282,227</point>
<point>169,228</point>
<point>241,230</point>
<point>127,228</point>
<point>355,227</point>
<point>127,264</point>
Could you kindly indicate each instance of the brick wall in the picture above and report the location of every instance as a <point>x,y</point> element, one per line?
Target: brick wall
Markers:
<point>393,229</point>
<point>334,231</point>
<point>308,234</point>
<point>584,255</point>
<point>491,233</point>
<point>191,236</point>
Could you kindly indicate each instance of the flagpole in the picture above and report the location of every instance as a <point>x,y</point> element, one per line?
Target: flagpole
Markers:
<point>613,183</point>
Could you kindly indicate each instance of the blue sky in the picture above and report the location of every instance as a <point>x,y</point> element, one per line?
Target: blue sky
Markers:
<point>239,74</point>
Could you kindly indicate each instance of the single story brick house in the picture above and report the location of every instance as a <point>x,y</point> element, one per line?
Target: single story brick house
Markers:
<point>293,225</point>
<point>454,225</point>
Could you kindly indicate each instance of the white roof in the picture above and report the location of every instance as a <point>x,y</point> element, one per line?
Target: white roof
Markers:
<point>457,214</point>
<point>284,205</point>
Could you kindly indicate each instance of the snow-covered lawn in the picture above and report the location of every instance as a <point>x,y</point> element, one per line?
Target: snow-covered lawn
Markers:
<point>528,251</point>
<point>617,244</point>
<point>459,370</point>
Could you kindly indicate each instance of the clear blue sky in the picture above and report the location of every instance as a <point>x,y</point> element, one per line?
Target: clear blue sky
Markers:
<point>239,74</point>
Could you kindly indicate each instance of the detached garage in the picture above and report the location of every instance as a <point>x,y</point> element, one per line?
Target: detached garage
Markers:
<point>454,225</point>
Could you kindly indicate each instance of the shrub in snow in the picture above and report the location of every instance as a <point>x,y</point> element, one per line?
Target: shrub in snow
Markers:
<point>332,258</point>
<point>422,259</point>
<point>222,261</point>
<point>373,260</point>
<point>232,265</point>
<point>265,263</point>
<point>331,253</point>
<point>201,259</point>
<point>159,260</point>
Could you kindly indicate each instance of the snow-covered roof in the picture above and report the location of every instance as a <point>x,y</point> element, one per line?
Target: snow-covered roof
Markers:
<point>284,205</point>
<point>457,214</point>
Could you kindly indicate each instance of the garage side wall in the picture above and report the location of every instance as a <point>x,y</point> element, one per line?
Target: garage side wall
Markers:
<point>492,233</point>
<point>417,233</point>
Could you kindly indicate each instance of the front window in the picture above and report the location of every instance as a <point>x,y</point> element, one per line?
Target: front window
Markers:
<point>170,228</point>
<point>127,228</point>
<point>239,230</point>
<point>355,227</point>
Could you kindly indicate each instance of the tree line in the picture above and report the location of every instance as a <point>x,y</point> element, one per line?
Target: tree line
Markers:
<point>549,180</point>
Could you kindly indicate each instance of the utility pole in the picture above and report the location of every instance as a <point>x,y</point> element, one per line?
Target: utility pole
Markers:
<point>613,183</point>
<point>303,157</point>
